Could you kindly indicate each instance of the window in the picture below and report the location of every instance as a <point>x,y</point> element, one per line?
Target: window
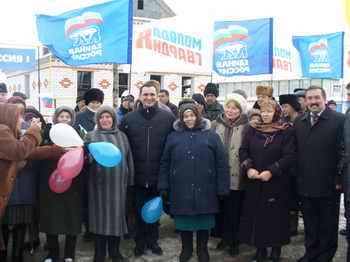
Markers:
<point>123,82</point>
<point>140,4</point>
<point>84,82</point>
<point>186,86</point>
<point>157,78</point>
<point>45,51</point>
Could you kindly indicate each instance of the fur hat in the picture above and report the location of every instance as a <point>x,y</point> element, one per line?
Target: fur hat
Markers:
<point>93,94</point>
<point>291,100</point>
<point>3,88</point>
<point>264,90</point>
<point>211,88</point>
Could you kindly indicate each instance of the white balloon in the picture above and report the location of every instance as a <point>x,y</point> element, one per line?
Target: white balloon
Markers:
<point>64,135</point>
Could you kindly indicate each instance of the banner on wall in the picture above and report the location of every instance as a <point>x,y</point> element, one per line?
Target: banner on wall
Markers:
<point>321,56</point>
<point>177,47</point>
<point>96,34</point>
<point>17,59</point>
<point>243,47</point>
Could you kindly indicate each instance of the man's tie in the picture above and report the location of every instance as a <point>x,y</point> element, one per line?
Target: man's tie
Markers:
<point>314,118</point>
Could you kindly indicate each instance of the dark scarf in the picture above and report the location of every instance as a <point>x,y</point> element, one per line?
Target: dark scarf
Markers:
<point>229,125</point>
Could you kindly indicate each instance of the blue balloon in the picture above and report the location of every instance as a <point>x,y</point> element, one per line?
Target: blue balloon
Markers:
<point>105,153</point>
<point>152,210</point>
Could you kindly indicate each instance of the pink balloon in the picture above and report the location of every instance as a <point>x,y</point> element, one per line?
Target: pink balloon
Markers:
<point>57,184</point>
<point>71,163</point>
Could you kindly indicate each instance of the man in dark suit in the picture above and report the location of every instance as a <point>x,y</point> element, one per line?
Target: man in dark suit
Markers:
<point>319,136</point>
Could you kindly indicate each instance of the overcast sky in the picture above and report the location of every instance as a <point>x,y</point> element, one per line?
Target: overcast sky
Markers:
<point>17,20</point>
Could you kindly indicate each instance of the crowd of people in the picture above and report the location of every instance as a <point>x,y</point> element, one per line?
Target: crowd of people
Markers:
<point>229,171</point>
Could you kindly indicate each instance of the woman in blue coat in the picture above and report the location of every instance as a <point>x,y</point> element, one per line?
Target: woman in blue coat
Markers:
<point>193,173</point>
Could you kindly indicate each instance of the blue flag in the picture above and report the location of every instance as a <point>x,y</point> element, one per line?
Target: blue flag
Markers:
<point>17,59</point>
<point>321,56</point>
<point>96,34</point>
<point>243,47</point>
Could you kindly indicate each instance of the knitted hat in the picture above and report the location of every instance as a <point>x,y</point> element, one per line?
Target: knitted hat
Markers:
<point>199,99</point>
<point>291,100</point>
<point>186,101</point>
<point>264,90</point>
<point>211,88</point>
<point>21,95</point>
<point>3,88</point>
<point>193,108</point>
<point>93,94</point>
<point>240,92</point>
<point>240,100</point>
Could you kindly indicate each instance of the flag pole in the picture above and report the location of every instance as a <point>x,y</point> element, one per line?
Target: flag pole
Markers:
<point>129,78</point>
<point>39,85</point>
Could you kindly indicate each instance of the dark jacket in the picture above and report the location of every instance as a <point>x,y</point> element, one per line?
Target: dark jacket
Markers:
<point>346,159</point>
<point>147,131</point>
<point>194,170</point>
<point>25,188</point>
<point>173,109</point>
<point>213,111</point>
<point>265,217</point>
<point>59,213</point>
<point>319,151</point>
<point>86,119</point>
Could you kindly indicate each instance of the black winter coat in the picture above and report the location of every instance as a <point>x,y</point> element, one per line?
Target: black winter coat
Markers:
<point>147,131</point>
<point>265,217</point>
<point>319,152</point>
<point>346,174</point>
<point>86,119</point>
<point>194,170</point>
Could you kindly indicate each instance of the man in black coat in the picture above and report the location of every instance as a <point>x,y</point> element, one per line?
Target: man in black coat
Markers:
<point>165,100</point>
<point>147,129</point>
<point>319,136</point>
